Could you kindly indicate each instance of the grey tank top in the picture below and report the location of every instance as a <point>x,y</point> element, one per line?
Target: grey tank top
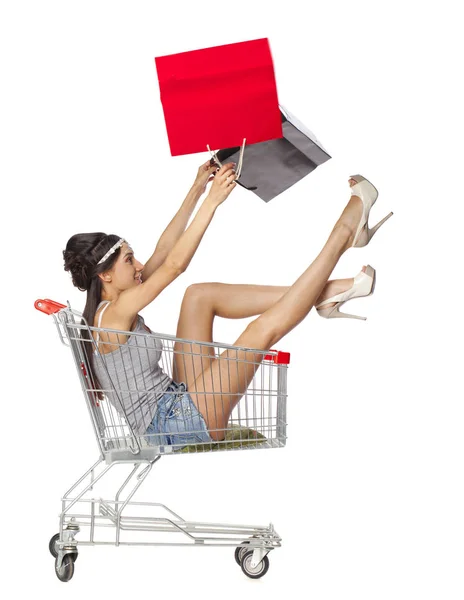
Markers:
<point>134,370</point>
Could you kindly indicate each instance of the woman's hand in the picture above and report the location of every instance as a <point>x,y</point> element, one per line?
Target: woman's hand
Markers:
<point>204,176</point>
<point>223,184</point>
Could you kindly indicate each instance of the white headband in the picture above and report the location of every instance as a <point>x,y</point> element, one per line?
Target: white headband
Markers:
<point>111,250</point>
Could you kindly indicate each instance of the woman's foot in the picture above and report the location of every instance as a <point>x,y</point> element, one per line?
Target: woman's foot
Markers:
<point>350,217</point>
<point>362,285</point>
<point>334,287</point>
<point>355,217</point>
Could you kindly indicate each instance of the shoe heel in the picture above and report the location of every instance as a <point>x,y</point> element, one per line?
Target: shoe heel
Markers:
<point>333,312</point>
<point>376,227</point>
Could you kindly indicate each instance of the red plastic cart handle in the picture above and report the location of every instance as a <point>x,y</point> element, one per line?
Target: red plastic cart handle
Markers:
<point>48,306</point>
<point>282,358</point>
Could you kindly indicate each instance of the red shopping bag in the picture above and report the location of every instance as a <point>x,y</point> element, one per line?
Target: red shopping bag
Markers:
<point>219,96</point>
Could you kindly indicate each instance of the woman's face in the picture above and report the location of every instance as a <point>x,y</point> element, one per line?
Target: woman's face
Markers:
<point>127,270</point>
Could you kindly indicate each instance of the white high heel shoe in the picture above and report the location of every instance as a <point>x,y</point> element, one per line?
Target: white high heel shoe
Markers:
<point>363,285</point>
<point>368,195</point>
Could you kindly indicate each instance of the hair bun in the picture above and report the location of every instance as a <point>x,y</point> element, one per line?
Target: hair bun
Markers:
<point>80,269</point>
<point>82,255</point>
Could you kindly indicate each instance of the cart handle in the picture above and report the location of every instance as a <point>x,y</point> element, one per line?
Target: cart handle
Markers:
<point>48,307</point>
<point>282,358</point>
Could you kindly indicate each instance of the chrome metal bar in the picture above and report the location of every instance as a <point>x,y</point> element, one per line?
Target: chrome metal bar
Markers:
<point>126,482</point>
<point>119,513</point>
<point>85,490</point>
<point>116,518</point>
<point>185,544</point>
<point>91,470</point>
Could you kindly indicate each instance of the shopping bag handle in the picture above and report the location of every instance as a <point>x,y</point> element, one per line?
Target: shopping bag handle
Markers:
<point>215,161</point>
<point>48,307</point>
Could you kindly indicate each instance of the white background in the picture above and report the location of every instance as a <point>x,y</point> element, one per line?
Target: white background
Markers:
<point>368,494</point>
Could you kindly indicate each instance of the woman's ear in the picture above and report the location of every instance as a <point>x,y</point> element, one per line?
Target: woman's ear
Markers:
<point>105,276</point>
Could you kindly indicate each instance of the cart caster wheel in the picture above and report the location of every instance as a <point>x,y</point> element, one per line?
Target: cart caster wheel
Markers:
<point>254,572</point>
<point>52,545</point>
<point>54,550</point>
<point>66,571</point>
<point>239,552</point>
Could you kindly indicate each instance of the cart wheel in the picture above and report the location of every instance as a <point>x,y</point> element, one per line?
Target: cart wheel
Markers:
<point>239,552</point>
<point>53,549</point>
<point>66,571</point>
<point>254,572</point>
<point>52,545</point>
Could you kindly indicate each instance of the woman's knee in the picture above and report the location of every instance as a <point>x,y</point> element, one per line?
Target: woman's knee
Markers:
<point>195,295</point>
<point>199,291</point>
<point>201,294</point>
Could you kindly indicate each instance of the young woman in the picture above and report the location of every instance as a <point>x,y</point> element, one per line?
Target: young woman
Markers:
<point>119,286</point>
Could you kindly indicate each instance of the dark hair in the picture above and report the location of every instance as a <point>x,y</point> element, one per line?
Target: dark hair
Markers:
<point>81,256</point>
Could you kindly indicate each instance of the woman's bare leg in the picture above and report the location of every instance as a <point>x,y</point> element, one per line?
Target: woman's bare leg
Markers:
<point>204,301</point>
<point>219,387</point>
<point>201,303</point>
<point>237,300</point>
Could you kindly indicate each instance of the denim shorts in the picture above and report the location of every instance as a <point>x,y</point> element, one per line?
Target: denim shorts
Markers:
<point>177,421</point>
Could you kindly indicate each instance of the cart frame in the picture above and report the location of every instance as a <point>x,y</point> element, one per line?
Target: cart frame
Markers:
<point>82,511</point>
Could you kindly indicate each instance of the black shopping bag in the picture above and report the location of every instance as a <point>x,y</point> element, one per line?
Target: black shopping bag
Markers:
<point>270,168</point>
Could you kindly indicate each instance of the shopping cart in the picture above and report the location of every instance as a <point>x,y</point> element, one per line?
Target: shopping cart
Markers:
<point>258,421</point>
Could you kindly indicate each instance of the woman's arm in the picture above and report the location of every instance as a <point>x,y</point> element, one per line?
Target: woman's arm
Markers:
<point>182,253</point>
<point>179,222</point>
<point>134,299</point>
